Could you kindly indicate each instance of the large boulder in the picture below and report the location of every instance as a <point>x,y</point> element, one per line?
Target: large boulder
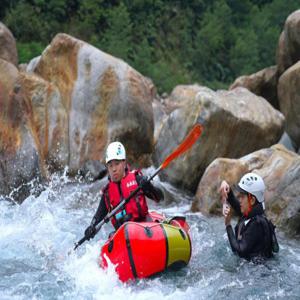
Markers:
<point>8,76</point>
<point>288,50</point>
<point>262,83</point>
<point>165,106</point>
<point>46,119</point>
<point>207,197</point>
<point>235,122</point>
<point>8,48</point>
<point>104,100</point>
<point>280,170</point>
<point>181,96</point>
<point>65,108</point>
<point>289,99</point>
<point>19,159</point>
<point>160,116</point>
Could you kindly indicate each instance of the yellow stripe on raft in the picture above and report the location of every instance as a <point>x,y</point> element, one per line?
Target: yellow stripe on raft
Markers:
<point>179,246</point>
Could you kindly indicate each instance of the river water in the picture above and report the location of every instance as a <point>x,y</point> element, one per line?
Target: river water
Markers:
<point>37,261</point>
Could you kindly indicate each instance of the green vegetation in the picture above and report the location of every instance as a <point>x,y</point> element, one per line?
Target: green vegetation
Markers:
<point>173,42</point>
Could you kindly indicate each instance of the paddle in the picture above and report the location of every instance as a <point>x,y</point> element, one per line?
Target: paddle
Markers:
<point>188,142</point>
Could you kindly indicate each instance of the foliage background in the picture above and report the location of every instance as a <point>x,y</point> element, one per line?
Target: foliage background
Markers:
<point>173,42</point>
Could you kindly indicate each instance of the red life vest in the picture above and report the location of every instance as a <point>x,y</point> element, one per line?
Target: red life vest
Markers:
<point>136,208</point>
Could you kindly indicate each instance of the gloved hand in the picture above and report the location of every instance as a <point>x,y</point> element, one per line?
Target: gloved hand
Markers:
<point>90,232</point>
<point>144,183</point>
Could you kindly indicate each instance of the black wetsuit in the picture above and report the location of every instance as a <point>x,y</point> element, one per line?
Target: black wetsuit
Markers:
<point>252,237</point>
<point>153,193</point>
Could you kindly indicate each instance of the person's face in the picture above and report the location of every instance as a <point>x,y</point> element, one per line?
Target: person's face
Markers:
<point>244,203</point>
<point>116,169</point>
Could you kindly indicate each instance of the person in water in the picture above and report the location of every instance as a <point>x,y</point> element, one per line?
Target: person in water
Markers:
<point>121,182</point>
<point>252,238</point>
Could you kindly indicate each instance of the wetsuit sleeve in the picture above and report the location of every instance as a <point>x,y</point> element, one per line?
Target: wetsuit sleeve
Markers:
<point>151,191</point>
<point>245,246</point>
<point>100,213</point>
<point>155,193</point>
<point>234,203</point>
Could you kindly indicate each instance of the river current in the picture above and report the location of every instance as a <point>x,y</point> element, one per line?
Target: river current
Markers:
<point>37,260</point>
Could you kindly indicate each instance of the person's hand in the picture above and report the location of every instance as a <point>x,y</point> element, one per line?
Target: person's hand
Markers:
<point>145,184</point>
<point>225,208</point>
<point>227,213</point>
<point>90,232</point>
<point>224,190</point>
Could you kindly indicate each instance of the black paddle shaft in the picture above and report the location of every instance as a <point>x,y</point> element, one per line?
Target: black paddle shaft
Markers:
<point>110,214</point>
<point>118,207</point>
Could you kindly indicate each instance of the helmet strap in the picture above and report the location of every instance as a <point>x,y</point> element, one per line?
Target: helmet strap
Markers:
<point>249,205</point>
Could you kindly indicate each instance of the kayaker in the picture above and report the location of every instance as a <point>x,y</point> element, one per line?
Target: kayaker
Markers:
<point>121,182</point>
<point>253,234</point>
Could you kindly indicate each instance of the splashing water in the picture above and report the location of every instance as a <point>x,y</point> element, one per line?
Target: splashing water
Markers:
<point>36,237</point>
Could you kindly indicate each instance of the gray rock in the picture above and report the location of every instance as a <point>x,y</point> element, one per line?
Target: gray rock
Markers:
<point>289,43</point>
<point>280,170</point>
<point>289,100</point>
<point>287,142</point>
<point>235,123</point>
<point>262,83</point>
<point>93,170</point>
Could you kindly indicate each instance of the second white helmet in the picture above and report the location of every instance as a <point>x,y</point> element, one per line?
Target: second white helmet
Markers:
<point>115,150</point>
<point>253,184</point>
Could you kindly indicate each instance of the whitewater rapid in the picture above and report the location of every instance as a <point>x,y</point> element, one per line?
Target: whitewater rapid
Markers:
<point>38,262</point>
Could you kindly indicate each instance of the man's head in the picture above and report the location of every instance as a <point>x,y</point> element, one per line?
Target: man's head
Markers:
<point>250,190</point>
<point>116,161</point>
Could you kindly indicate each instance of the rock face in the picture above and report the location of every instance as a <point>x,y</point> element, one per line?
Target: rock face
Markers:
<point>104,100</point>
<point>65,108</point>
<point>235,123</point>
<point>19,159</point>
<point>288,50</point>
<point>280,170</point>
<point>207,199</point>
<point>262,83</point>
<point>288,55</point>
<point>8,49</point>
<point>160,116</point>
<point>289,99</point>
<point>46,119</point>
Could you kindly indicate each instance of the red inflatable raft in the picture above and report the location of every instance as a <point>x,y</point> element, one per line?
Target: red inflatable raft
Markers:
<point>139,250</point>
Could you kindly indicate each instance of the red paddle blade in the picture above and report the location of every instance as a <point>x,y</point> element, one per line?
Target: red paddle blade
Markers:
<point>188,142</point>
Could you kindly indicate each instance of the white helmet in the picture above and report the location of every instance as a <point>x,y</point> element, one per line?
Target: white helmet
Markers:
<point>115,150</point>
<point>253,184</point>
